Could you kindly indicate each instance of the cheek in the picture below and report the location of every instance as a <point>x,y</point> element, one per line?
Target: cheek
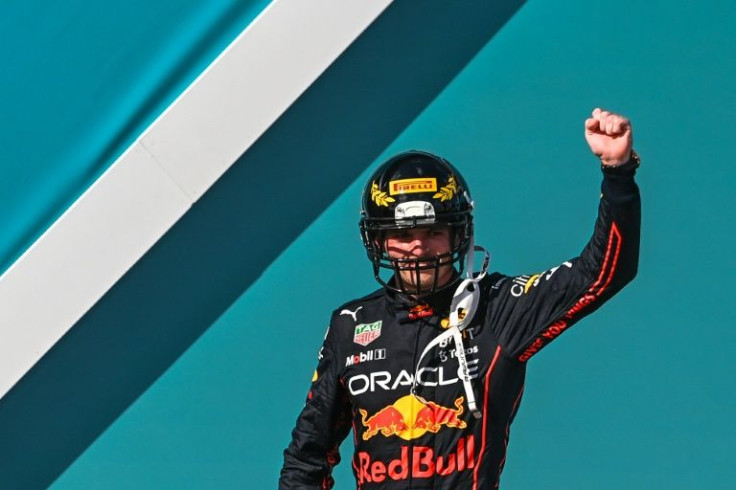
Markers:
<point>392,247</point>
<point>441,245</point>
<point>397,248</point>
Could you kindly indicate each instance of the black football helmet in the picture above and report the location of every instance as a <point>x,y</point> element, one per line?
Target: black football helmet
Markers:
<point>411,190</point>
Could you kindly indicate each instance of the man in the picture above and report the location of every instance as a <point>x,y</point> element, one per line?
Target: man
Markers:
<point>429,370</point>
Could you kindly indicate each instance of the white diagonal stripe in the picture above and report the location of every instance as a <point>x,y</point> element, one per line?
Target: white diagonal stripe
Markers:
<point>81,256</point>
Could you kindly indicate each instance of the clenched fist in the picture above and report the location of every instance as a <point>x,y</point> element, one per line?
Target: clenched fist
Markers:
<point>609,137</point>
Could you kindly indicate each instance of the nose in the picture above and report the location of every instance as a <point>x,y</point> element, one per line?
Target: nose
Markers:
<point>418,245</point>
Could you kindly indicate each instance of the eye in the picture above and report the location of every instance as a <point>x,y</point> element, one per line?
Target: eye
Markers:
<point>402,235</point>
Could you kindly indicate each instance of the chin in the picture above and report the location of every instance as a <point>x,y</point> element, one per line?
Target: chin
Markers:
<point>427,281</point>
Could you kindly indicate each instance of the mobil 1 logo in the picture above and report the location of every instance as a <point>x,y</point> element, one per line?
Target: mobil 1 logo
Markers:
<point>371,355</point>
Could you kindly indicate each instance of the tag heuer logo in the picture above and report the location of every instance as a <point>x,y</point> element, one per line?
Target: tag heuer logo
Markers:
<point>365,333</point>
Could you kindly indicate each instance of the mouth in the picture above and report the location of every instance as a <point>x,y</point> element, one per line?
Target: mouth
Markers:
<point>421,267</point>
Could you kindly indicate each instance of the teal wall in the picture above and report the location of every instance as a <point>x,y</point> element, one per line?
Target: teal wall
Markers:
<point>81,80</point>
<point>637,396</point>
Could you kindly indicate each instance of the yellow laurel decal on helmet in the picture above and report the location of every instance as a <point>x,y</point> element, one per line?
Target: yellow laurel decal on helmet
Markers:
<point>380,197</point>
<point>448,191</point>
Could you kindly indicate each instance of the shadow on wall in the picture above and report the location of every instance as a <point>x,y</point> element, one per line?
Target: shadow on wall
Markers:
<point>221,246</point>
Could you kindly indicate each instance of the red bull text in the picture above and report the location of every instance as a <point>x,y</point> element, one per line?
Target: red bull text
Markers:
<point>424,463</point>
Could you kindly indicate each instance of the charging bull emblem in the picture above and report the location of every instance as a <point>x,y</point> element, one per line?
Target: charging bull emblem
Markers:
<point>409,418</point>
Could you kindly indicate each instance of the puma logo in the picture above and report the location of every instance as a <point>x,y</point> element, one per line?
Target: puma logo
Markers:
<point>354,314</point>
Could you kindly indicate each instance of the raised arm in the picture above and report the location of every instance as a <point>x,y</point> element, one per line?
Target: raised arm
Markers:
<point>535,309</point>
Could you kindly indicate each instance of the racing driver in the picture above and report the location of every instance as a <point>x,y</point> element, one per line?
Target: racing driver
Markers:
<point>429,370</point>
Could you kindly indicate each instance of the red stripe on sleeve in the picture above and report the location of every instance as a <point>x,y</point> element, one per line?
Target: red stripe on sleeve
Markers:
<point>485,414</point>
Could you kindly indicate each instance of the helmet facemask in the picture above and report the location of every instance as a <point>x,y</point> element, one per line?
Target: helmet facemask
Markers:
<point>388,270</point>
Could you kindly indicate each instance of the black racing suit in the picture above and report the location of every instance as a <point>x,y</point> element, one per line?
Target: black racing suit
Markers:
<point>367,363</point>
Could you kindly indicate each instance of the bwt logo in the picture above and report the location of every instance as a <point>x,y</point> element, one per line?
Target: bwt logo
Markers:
<point>371,355</point>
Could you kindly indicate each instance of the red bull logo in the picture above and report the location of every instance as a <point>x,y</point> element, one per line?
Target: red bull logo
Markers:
<point>420,311</point>
<point>424,463</point>
<point>409,418</point>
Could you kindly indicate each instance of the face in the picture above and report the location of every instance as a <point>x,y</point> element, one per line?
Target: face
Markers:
<point>420,243</point>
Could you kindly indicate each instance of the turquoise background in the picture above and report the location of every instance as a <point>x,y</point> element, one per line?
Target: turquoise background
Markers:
<point>81,80</point>
<point>637,396</point>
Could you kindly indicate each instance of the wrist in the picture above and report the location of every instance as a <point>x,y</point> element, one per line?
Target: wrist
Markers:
<point>629,166</point>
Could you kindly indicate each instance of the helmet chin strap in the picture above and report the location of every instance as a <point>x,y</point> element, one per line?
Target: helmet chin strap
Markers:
<point>465,299</point>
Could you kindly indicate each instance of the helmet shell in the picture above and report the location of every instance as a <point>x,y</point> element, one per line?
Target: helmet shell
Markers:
<point>415,176</point>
